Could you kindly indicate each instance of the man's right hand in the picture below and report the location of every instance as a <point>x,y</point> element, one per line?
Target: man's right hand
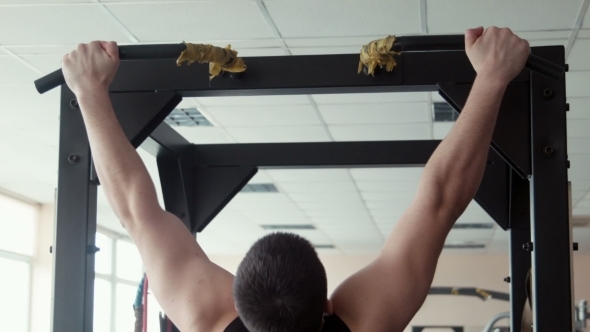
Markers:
<point>91,67</point>
<point>496,53</point>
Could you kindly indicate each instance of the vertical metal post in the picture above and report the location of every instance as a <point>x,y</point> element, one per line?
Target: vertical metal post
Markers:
<point>73,291</point>
<point>520,259</point>
<point>550,228</point>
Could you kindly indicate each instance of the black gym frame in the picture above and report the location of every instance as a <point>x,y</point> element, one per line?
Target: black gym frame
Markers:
<point>524,187</point>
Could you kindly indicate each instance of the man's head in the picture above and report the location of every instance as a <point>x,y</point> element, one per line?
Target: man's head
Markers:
<point>281,286</point>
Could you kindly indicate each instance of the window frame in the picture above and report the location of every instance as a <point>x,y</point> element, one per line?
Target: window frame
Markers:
<point>112,278</point>
<point>29,261</point>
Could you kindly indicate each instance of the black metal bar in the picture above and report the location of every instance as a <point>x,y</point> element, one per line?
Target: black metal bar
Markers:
<point>213,188</point>
<point>430,43</point>
<point>73,291</point>
<point>520,259</point>
<point>324,154</point>
<point>550,227</point>
<point>309,74</point>
<point>177,180</point>
<point>492,194</point>
<point>126,52</point>
<point>167,142</point>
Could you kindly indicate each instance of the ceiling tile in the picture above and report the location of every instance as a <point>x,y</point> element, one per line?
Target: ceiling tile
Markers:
<point>204,135</point>
<point>14,72</point>
<point>216,20</point>
<point>41,2</point>
<point>586,22</point>
<point>388,186</point>
<point>332,221</point>
<point>579,167</point>
<point>45,63</point>
<point>442,129</point>
<point>254,101</point>
<point>279,134</point>
<point>387,173</point>
<point>348,214</point>
<point>578,57</point>
<point>579,108</point>
<point>261,216</point>
<point>261,177</point>
<point>42,49</point>
<point>59,25</point>
<point>370,98</point>
<point>381,132</point>
<point>582,236</point>
<point>462,235</point>
<point>326,197</point>
<point>35,190</point>
<point>584,33</point>
<point>257,200</point>
<point>309,206</point>
<point>399,199</point>
<point>311,42</point>
<point>243,116</point>
<point>255,52</point>
<point>454,16</point>
<point>318,187</point>
<point>307,18</point>
<point>309,175</point>
<point>22,106</point>
<point>577,83</point>
<point>532,36</point>
<point>375,113</point>
<point>325,50</point>
<point>548,42</point>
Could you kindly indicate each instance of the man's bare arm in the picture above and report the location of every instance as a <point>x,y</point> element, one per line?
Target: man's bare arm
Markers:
<point>385,295</point>
<point>193,291</point>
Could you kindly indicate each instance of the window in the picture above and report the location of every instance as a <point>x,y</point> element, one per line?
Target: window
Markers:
<point>118,271</point>
<point>17,238</point>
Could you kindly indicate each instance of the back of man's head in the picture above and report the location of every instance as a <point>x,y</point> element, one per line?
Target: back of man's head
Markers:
<point>281,286</point>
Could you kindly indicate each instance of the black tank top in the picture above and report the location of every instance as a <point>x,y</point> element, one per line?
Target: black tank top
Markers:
<point>331,324</point>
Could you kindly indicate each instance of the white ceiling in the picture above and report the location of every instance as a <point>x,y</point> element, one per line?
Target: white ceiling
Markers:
<point>353,210</point>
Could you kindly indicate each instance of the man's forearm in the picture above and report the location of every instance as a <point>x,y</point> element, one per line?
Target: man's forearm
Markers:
<point>456,167</point>
<point>122,174</point>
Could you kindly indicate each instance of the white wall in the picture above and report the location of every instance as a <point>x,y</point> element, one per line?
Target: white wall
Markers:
<point>480,271</point>
<point>42,283</point>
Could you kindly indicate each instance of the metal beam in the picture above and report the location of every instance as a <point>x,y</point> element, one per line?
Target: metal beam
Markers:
<point>550,227</point>
<point>306,74</point>
<point>73,290</point>
<point>324,154</point>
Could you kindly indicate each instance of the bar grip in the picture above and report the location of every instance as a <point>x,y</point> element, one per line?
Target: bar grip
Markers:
<point>50,81</point>
<point>128,52</point>
<point>457,43</point>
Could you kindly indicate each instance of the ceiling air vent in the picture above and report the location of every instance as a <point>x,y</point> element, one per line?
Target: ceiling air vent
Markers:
<point>473,226</point>
<point>187,117</point>
<point>260,188</point>
<point>287,227</point>
<point>465,246</point>
<point>443,112</point>
<point>323,246</point>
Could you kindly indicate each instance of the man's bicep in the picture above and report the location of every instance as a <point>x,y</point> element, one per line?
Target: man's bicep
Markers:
<point>193,291</point>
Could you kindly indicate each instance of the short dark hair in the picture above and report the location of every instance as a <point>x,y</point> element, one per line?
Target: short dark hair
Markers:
<point>281,285</point>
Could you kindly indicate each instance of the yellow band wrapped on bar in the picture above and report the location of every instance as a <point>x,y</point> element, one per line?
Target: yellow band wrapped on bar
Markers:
<point>219,59</point>
<point>378,53</point>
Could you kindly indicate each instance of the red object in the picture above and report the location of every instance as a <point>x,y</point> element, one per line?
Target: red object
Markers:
<point>145,304</point>
<point>169,326</point>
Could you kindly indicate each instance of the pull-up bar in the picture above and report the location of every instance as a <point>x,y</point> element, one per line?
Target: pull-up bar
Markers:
<point>403,44</point>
